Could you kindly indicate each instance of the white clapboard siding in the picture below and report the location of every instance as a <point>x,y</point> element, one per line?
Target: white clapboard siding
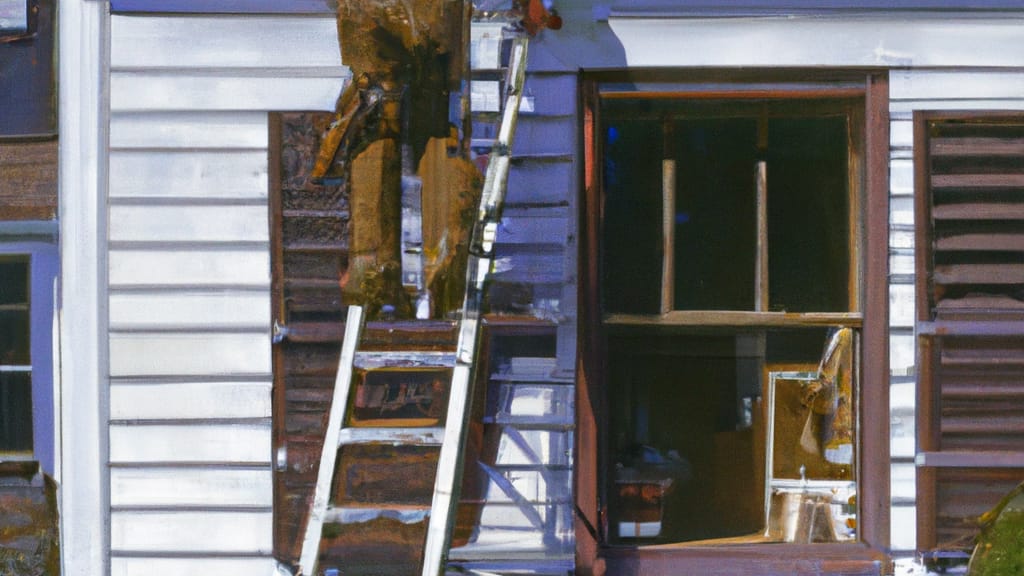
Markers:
<point>135,355</point>
<point>135,566</point>
<point>537,134</point>
<point>535,227</point>
<point>818,41</point>
<point>191,487</point>
<point>190,400</point>
<point>178,310</point>
<point>544,182</point>
<point>956,85</point>
<point>901,177</point>
<point>189,174</point>
<point>210,532</point>
<point>185,268</point>
<point>142,91</point>
<point>203,129</point>
<point>223,41</point>
<point>900,107</point>
<point>232,443</point>
<point>175,223</point>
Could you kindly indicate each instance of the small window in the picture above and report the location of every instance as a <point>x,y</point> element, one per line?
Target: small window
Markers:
<point>15,358</point>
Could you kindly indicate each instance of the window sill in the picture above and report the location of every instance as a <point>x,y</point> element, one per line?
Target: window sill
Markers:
<point>747,559</point>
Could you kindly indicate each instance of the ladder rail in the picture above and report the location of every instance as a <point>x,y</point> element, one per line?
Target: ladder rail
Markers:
<point>328,457</point>
<point>479,266</point>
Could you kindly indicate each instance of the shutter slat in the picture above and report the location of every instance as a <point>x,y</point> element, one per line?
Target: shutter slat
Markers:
<point>976,181</point>
<point>979,211</point>
<point>969,242</point>
<point>974,147</point>
<point>979,274</point>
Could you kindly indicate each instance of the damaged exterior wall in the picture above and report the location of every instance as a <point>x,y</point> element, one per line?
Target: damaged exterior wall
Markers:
<point>188,100</point>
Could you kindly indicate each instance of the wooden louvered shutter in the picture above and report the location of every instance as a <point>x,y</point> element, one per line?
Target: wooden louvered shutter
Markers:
<point>970,319</point>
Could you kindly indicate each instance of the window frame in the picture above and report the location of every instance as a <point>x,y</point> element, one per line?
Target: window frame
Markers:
<point>42,261</point>
<point>872,249</point>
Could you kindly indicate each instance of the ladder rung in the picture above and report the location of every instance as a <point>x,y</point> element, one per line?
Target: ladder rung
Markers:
<point>532,422</point>
<point>356,514</point>
<point>411,359</point>
<point>396,436</point>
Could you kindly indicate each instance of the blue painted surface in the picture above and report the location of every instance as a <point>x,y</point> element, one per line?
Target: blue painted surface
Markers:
<point>43,266</point>
<point>28,104</point>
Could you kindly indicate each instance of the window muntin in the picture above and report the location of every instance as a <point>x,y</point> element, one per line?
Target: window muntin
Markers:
<point>743,281</point>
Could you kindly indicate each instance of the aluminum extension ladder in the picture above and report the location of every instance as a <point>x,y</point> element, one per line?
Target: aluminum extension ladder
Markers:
<point>452,435</point>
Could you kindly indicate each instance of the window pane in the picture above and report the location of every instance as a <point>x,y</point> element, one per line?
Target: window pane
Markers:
<point>687,431</point>
<point>632,226</point>
<point>808,215</point>
<point>15,411</point>
<point>13,281</point>
<point>14,338</point>
<point>716,219</point>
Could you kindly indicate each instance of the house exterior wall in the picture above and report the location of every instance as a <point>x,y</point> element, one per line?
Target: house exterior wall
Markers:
<point>170,190</point>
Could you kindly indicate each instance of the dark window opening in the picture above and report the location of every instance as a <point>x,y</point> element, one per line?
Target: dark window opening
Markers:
<point>15,357</point>
<point>728,274</point>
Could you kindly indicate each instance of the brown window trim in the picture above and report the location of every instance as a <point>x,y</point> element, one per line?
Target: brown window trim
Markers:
<point>874,492</point>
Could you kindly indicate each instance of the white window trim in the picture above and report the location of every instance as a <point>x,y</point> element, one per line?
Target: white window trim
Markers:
<point>82,470</point>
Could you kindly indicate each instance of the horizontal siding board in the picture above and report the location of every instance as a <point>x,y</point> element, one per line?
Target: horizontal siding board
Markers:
<point>208,223</point>
<point>145,91</point>
<point>190,486</point>
<point>222,41</point>
<point>545,135</point>
<point>533,229</point>
<point>909,106</point>
<point>193,532</point>
<point>184,310</point>
<point>540,182</point>
<point>804,41</point>
<point>959,85</point>
<point>901,133</point>
<point>144,355</point>
<point>224,267</point>
<point>188,130</point>
<point>132,566</point>
<point>190,400</point>
<point>234,443</point>
<point>901,177</point>
<point>191,174</point>
<point>552,94</point>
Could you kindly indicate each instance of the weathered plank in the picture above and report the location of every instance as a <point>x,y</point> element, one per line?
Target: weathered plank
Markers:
<point>28,180</point>
<point>191,532</point>
<point>236,443</point>
<point>190,400</point>
<point>182,354</point>
<point>191,486</point>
